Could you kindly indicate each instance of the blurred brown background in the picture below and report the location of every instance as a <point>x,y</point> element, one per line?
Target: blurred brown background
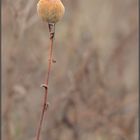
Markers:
<point>93,89</point>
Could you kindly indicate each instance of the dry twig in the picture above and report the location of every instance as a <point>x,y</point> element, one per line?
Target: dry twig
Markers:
<point>45,103</point>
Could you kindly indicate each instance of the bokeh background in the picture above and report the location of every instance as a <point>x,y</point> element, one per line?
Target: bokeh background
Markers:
<point>93,89</point>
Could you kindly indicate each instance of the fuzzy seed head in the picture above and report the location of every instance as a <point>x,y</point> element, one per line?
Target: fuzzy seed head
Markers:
<point>50,11</point>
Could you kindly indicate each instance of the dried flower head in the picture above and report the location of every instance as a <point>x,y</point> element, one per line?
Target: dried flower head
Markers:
<point>50,11</point>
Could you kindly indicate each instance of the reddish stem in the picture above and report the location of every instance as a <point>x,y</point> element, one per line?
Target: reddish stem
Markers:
<point>45,104</point>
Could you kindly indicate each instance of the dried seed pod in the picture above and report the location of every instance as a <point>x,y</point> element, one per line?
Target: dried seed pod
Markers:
<point>50,11</point>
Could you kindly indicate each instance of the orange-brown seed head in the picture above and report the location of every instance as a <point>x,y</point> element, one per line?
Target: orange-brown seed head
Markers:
<point>50,11</point>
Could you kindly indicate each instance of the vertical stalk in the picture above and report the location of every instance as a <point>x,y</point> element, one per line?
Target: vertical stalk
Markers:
<point>45,104</point>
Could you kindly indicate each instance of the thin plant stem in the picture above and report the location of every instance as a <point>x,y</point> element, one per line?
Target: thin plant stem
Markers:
<point>45,104</point>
